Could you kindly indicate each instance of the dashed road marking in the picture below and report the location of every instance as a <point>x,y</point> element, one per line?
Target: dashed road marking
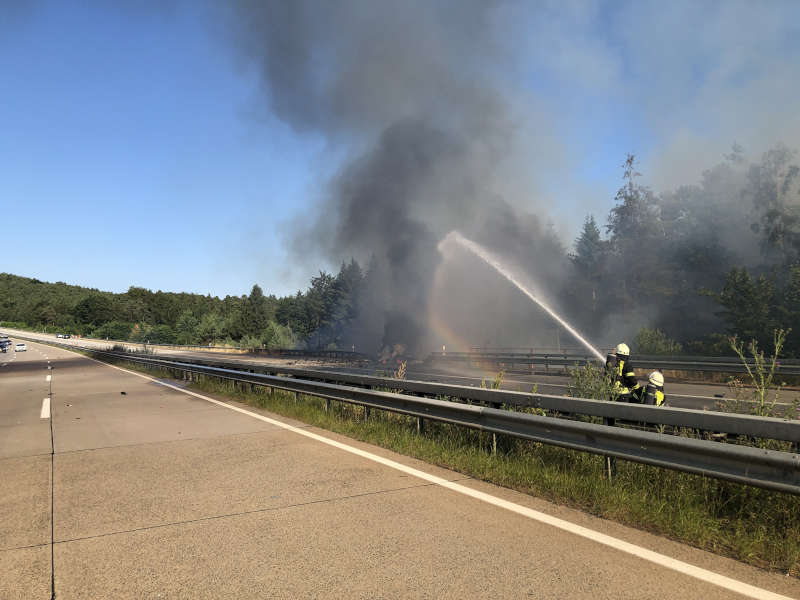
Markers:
<point>45,414</point>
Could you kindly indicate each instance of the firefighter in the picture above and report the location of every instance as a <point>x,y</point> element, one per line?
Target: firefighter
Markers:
<point>622,376</point>
<point>622,373</point>
<point>653,393</point>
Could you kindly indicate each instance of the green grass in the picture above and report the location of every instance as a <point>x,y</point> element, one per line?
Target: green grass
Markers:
<point>753,525</point>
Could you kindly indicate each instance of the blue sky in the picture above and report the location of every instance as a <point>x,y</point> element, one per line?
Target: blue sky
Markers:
<point>137,148</point>
<point>130,157</point>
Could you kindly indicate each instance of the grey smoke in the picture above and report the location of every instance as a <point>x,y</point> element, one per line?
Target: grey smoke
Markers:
<point>409,87</point>
<point>424,99</point>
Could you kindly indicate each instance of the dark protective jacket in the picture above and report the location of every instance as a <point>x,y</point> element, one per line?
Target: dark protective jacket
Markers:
<point>622,374</point>
<point>650,394</point>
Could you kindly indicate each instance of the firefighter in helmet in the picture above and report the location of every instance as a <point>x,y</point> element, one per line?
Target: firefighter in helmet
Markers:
<point>653,392</point>
<point>622,374</point>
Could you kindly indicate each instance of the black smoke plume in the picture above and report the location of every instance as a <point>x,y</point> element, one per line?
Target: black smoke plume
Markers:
<point>407,87</point>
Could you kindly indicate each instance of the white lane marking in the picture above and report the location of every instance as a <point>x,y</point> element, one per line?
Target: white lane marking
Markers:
<point>660,559</point>
<point>45,414</point>
<point>48,377</point>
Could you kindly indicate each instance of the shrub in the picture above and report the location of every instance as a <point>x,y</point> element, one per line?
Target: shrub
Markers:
<point>113,330</point>
<point>654,341</point>
<point>760,373</point>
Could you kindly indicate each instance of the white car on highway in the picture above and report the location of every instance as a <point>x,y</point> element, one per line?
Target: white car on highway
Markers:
<point>20,348</point>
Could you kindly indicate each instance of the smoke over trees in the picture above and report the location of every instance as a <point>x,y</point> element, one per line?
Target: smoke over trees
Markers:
<point>717,257</point>
<point>435,128</point>
<point>408,89</point>
<point>698,260</point>
<point>433,142</point>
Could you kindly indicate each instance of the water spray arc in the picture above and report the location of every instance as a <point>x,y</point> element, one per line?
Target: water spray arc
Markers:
<point>488,258</point>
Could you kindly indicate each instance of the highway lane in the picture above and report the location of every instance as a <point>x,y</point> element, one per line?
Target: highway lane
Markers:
<point>25,473</point>
<point>158,493</point>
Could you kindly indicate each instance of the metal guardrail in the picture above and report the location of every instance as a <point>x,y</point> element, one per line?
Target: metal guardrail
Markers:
<point>764,468</point>
<point>575,351</point>
<point>328,354</point>
<point>770,469</point>
<point>563,360</point>
<point>277,352</point>
<point>711,421</point>
<point>782,429</point>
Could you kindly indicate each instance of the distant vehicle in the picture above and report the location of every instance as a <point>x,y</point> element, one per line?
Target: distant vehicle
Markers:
<point>67,336</point>
<point>60,335</point>
<point>20,348</point>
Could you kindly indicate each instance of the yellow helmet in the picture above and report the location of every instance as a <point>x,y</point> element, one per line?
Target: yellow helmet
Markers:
<point>656,379</point>
<point>623,350</point>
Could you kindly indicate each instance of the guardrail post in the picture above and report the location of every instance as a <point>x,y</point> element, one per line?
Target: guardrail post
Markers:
<point>420,425</point>
<point>366,412</point>
<point>327,405</point>
<point>610,462</point>
<point>494,435</point>
<point>296,397</point>
<point>610,467</point>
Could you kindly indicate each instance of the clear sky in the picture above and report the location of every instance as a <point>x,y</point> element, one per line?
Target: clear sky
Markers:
<point>136,148</point>
<point>130,157</point>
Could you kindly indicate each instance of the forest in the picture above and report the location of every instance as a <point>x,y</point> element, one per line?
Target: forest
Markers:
<point>678,272</point>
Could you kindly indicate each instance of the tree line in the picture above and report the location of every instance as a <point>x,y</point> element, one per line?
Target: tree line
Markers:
<point>318,317</point>
<point>677,271</point>
<point>700,262</point>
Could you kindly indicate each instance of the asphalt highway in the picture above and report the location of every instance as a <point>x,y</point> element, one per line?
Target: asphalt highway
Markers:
<point>119,486</point>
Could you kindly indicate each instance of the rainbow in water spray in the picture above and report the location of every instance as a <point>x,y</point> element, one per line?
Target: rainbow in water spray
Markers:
<point>489,258</point>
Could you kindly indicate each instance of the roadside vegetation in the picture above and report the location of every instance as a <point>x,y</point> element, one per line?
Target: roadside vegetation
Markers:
<point>655,341</point>
<point>758,391</point>
<point>755,526</point>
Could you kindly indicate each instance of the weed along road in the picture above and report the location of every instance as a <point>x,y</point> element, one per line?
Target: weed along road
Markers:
<point>119,486</point>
